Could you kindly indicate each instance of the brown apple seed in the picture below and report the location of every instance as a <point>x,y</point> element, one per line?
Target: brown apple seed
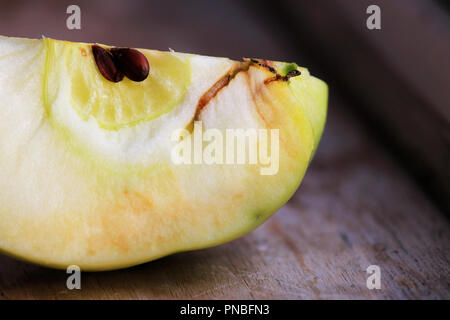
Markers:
<point>106,65</point>
<point>131,62</point>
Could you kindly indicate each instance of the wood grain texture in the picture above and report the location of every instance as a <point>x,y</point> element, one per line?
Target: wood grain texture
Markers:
<point>356,207</point>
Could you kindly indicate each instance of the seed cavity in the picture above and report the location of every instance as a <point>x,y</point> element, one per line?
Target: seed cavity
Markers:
<point>106,65</point>
<point>131,62</point>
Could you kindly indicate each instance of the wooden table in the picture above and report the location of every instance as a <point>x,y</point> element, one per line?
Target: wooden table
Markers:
<point>356,207</point>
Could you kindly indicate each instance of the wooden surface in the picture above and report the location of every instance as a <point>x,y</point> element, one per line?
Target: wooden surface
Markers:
<point>356,207</point>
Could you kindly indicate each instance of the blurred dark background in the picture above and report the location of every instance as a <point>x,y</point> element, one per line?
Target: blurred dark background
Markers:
<point>379,186</point>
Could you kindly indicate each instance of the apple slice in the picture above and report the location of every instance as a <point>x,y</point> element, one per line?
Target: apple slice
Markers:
<point>87,169</point>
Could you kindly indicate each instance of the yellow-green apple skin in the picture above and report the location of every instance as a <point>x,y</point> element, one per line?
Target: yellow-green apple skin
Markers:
<point>86,173</point>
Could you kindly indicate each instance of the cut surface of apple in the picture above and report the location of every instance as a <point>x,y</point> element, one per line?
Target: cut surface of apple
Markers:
<point>87,174</point>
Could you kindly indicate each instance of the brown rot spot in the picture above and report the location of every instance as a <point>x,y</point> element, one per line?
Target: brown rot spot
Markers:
<point>272,79</point>
<point>262,63</point>
<point>83,51</point>
<point>106,65</point>
<point>268,65</point>
<point>278,77</point>
<point>131,62</point>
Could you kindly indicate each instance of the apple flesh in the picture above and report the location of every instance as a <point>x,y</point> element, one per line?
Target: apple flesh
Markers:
<point>79,186</point>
